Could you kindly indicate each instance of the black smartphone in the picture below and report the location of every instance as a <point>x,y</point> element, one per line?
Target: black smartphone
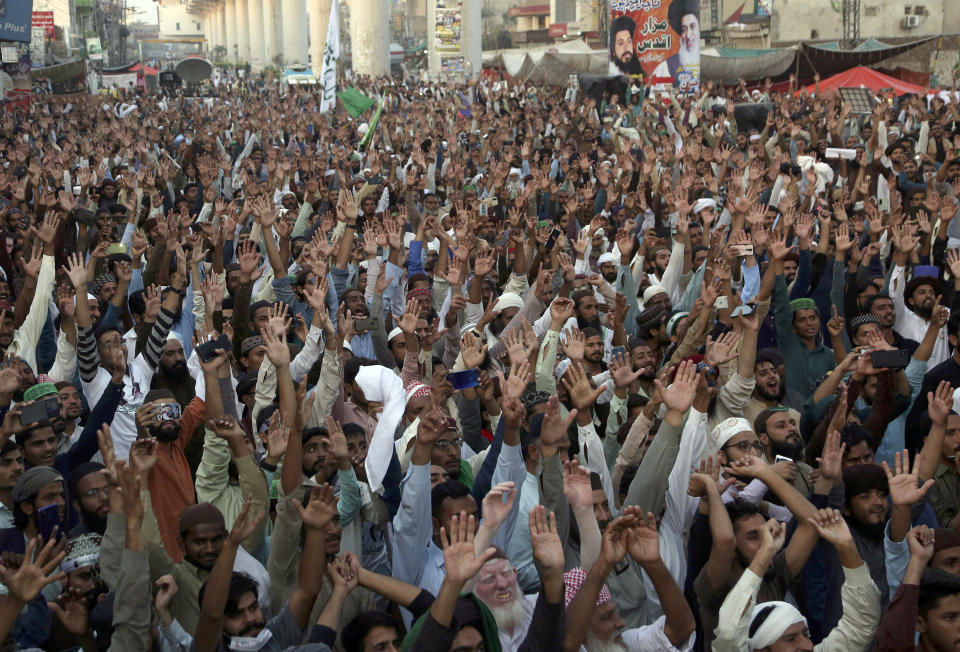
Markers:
<point>552,239</point>
<point>42,410</point>
<point>48,518</point>
<point>207,351</point>
<point>662,232</point>
<point>365,324</point>
<point>895,359</point>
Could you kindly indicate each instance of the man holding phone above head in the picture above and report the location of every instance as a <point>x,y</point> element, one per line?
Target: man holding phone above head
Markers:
<point>34,427</point>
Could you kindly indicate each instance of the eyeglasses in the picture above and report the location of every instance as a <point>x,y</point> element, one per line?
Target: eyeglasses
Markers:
<point>96,491</point>
<point>444,444</point>
<point>746,446</point>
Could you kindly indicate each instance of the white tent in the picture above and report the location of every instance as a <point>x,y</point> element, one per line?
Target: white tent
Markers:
<point>548,64</point>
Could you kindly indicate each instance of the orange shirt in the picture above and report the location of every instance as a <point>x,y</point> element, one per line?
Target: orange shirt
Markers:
<point>171,484</point>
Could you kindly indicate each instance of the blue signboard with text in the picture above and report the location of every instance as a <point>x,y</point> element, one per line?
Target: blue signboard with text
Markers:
<point>15,20</point>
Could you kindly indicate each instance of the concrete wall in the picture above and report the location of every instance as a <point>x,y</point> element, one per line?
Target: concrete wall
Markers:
<point>816,19</point>
<point>170,16</point>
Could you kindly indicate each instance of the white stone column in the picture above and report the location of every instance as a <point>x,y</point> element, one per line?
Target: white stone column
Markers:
<point>222,22</point>
<point>319,12</point>
<point>255,21</point>
<point>270,44</point>
<point>243,32</point>
<point>210,27</point>
<point>471,36</point>
<point>294,32</point>
<point>230,29</point>
<point>370,37</point>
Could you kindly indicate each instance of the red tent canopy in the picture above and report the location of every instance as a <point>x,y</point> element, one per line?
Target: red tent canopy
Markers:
<point>875,81</point>
<point>147,70</point>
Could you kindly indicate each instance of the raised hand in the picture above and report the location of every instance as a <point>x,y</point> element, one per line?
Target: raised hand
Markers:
<point>321,509</point>
<point>904,483</point>
<point>143,455</point>
<point>547,547</point>
<point>621,372</point>
<point>679,395</point>
<point>721,350</point>
<point>921,540</point>
<point>246,523</point>
<point>275,439</point>
<point>553,430</point>
<point>832,527</point>
<point>831,459</point>
<point>277,350</point>
<point>644,544</point>
<point>573,344</point>
<point>77,273</point>
<point>471,352</point>
<point>497,504</point>
<point>582,392</point>
<point>617,537</point>
<point>940,403</point>
<point>34,572</point>
<point>460,561</point>
<point>576,486</point>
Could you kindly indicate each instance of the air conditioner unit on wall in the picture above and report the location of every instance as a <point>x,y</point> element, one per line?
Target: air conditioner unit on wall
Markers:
<point>908,22</point>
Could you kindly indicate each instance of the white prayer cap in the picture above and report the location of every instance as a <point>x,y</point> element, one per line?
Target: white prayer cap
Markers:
<point>704,202</point>
<point>727,429</point>
<point>394,333</point>
<point>508,300</point>
<point>607,257</point>
<point>653,291</point>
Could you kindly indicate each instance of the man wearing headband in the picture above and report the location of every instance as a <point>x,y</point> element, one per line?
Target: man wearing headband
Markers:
<point>746,623</point>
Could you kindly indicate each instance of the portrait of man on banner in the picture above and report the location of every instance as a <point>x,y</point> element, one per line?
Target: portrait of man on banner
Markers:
<point>684,66</point>
<point>623,53</point>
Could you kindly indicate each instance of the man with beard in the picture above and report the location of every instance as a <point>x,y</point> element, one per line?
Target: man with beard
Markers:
<point>71,407</point>
<point>881,305</point>
<point>780,436</point>
<point>623,55</point>
<point>652,331</point>
<point>91,498</point>
<point>609,270</point>
<point>914,302</point>
<point>11,467</point>
<point>593,619</point>
<point>643,360</point>
<point>161,417</point>
<point>770,390</point>
<point>683,68</point>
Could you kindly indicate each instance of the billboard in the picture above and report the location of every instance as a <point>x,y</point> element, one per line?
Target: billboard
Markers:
<point>94,49</point>
<point>659,39</point>
<point>447,27</point>
<point>16,17</point>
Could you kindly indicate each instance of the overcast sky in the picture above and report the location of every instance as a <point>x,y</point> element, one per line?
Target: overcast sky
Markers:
<point>146,11</point>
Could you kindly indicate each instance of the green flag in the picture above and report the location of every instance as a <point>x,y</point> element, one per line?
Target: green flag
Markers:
<point>373,124</point>
<point>355,101</point>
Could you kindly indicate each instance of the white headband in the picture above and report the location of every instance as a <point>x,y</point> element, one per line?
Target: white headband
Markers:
<point>776,623</point>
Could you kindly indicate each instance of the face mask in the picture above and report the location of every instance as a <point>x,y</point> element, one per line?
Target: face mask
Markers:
<point>250,643</point>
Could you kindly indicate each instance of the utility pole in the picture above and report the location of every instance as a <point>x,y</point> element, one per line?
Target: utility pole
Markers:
<point>850,10</point>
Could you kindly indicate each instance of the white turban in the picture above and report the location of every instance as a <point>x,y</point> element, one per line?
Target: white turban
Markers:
<point>726,430</point>
<point>774,625</point>
<point>653,291</point>
<point>606,258</point>
<point>508,300</point>
<point>381,385</point>
<point>704,202</point>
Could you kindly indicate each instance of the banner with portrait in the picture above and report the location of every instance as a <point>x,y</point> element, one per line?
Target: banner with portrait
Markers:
<point>659,39</point>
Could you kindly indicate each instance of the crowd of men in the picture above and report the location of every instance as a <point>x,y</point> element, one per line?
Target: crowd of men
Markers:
<point>514,369</point>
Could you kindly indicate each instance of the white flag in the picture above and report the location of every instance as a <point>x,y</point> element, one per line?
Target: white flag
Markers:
<point>331,55</point>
